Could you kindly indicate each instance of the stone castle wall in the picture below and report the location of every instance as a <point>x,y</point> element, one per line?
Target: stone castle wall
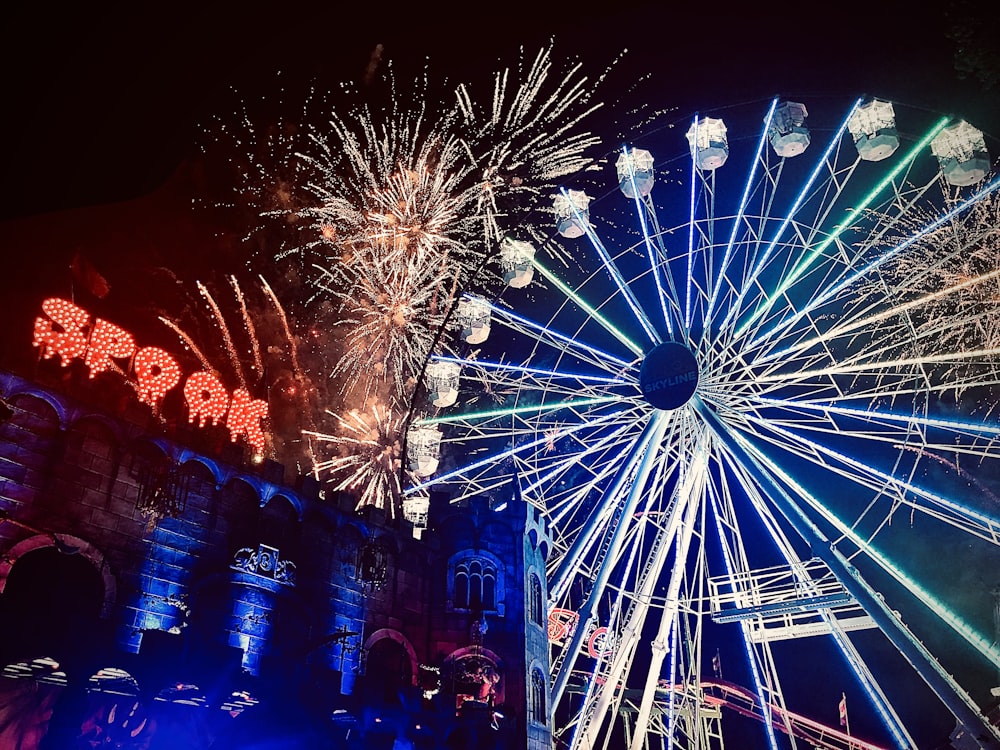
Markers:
<point>254,587</point>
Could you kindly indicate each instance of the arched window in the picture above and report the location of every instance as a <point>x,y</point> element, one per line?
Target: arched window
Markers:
<point>536,697</point>
<point>476,582</point>
<point>461,587</point>
<point>534,599</point>
<point>476,585</point>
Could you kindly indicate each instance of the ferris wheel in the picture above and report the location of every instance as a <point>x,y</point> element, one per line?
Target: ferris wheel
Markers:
<point>753,388</point>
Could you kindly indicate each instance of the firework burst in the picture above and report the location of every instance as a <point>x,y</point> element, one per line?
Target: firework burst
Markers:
<point>247,342</point>
<point>948,283</point>
<point>366,458</point>
<point>395,205</point>
<point>389,316</point>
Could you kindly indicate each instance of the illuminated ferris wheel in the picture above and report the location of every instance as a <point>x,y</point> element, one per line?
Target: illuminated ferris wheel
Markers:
<point>754,395</point>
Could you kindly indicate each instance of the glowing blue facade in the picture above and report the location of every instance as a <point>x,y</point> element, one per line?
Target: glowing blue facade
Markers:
<point>260,610</point>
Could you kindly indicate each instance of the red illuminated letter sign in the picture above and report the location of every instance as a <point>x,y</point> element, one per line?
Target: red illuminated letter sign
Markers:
<point>156,373</point>
<point>69,332</point>
<point>207,398</point>
<point>245,417</point>
<point>64,333</point>
<point>107,342</point>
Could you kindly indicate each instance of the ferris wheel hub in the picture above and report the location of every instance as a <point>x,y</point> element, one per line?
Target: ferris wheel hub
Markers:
<point>668,376</point>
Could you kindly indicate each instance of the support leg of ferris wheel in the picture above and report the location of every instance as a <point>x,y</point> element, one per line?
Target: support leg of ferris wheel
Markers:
<point>804,575</point>
<point>962,707</point>
<point>869,682</point>
<point>599,702</point>
<point>654,434</point>
<point>704,728</point>
<point>668,620</point>
<point>597,707</point>
<point>760,659</point>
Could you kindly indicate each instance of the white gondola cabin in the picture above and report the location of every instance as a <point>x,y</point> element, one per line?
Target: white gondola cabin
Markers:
<point>572,212</point>
<point>473,315</point>
<point>635,172</point>
<point>873,128</point>
<point>516,262</point>
<point>442,382</point>
<point>788,133</point>
<point>961,152</point>
<point>708,142</point>
<point>423,449</point>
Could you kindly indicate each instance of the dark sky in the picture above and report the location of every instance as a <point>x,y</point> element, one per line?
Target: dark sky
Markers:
<point>103,101</point>
<point>104,105</point>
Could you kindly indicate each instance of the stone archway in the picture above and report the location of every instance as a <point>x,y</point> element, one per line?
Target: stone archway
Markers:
<point>53,599</point>
<point>69,545</point>
<point>390,663</point>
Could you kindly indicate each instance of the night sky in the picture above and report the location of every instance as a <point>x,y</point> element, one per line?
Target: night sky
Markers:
<point>103,103</point>
<point>108,106</point>
<point>105,107</point>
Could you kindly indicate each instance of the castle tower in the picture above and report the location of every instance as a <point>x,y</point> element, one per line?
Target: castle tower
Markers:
<point>491,629</point>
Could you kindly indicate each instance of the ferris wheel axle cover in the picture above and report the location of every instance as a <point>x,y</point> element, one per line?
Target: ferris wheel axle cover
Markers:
<point>668,376</point>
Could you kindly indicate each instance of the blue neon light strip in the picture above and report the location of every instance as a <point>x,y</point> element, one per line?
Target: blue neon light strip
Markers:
<point>503,313</point>
<point>650,250</point>
<point>790,215</point>
<point>615,274</point>
<point>738,219</point>
<point>487,365</point>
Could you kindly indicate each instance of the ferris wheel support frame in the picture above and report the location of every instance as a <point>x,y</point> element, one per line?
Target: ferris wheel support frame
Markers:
<point>660,643</point>
<point>955,699</point>
<point>654,434</point>
<point>677,530</point>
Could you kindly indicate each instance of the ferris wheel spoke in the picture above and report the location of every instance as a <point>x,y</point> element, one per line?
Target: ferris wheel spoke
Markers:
<point>855,323</point>
<point>887,423</point>
<point>727,255</point>
<point>814,252</point>
<point>869,269</point>
<point>735,560</point>
<point>986,647</point>
<point>575,508</point>
<point>929,667</point>
<point>881,367</point>
<point>689,277</point>
<point>865,474</point>
<point>558,341</point>
<point>493,459</point>
<point>666,292</point>
<point>612,269</point>
<point>610,511</point>
<point>694,489</point>
<point>544,378</point>
<point>826,163</point>
<point>632,495</point>
<point>675,535</point>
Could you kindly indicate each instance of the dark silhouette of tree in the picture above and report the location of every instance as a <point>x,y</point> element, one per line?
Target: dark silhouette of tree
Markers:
<point>974,27</point>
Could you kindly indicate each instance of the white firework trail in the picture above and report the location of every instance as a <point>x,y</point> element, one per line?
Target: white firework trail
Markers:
<point>956,271</point>
<point>366,458</point>
<point>251,346</point>
<point>395,209</point>
<point>390,316</point>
